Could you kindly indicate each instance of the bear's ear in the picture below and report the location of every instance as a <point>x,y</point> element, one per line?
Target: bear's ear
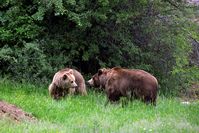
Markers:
<point>70,71</point>
<point>65,77</point>
<point>100,71</point>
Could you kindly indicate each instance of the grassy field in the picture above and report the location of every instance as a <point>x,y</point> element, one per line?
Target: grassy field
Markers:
<point>88,114</point>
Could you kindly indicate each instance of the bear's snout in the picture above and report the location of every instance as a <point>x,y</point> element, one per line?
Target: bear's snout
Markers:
<point>90,82</point>
<point>74,85</point>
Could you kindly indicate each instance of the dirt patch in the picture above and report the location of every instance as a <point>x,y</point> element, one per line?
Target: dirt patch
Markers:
<point>14,113</point>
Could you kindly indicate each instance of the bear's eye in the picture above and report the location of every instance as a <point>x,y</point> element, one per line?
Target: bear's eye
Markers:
<point>71,81</point>
<point>64,77</point>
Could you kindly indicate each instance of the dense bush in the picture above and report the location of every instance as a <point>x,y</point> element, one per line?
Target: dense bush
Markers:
<point>37,38</point>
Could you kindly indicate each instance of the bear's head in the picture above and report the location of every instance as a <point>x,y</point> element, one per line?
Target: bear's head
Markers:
<point>100,78</point>
<point>67,80</point>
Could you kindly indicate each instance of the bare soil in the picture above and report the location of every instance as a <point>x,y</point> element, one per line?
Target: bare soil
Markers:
<point>14,113</point>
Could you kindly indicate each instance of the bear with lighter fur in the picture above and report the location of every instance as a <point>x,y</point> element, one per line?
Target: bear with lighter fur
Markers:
<point>67,81</point>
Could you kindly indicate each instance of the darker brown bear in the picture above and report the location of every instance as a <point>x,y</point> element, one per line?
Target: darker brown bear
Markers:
<point>127,82</point>
<point>99,79</point>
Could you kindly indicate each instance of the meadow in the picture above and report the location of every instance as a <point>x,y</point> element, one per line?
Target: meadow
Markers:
<point>88,114</point>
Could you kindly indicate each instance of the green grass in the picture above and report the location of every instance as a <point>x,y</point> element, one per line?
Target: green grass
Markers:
<point>88,114</point>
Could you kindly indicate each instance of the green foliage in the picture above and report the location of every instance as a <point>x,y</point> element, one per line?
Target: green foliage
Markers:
<point>6,58</point>
<point>37,38</point>
<point>30,63</point>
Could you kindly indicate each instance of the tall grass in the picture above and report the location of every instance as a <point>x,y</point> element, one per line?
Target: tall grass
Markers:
<point>88,114</point>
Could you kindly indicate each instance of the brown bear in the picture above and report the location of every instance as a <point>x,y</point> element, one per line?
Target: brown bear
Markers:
<point>131,83</point>
<point>67,81</point>
<point>99,79</point>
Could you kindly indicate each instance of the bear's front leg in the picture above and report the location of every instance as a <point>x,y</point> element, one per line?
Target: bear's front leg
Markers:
<point>71,91</point>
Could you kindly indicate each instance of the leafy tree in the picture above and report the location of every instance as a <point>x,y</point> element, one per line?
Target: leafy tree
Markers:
<point>37,38</point>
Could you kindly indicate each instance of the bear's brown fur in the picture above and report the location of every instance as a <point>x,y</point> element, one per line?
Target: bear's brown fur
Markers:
<point>126,82</point>
<point>99,79</point>
<point>67,81</point>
